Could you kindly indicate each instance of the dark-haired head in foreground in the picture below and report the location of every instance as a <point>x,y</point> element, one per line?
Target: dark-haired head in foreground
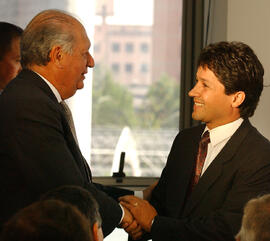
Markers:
<point>84,201</point>
<point>49,220</point>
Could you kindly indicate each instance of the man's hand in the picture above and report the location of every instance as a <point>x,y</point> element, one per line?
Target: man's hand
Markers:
<point>130,225</point>
<point>141,210</point>
<point>147,192</point>
<point>127,219</point>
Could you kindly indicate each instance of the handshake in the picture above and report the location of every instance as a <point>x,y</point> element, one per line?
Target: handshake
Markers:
<point>139,213</point>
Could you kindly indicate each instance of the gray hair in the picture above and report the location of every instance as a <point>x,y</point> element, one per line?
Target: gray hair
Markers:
<point>256,220</point>
<point>47,29</point>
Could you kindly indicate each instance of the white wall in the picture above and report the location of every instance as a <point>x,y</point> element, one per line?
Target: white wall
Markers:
<point>249,21</point>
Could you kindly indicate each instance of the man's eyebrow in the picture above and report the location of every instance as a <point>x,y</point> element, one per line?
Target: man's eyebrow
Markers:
<point>202,79</point>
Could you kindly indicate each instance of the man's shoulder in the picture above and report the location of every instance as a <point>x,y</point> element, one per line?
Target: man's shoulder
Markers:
<point>253,136</point>
<point>189,136</point>
<point>26,97</point>
<point>189,132</point>
<point>27,86</point>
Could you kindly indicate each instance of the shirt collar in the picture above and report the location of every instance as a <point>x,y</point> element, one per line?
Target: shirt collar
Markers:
<point>54,90</point>
<point>223,132</point>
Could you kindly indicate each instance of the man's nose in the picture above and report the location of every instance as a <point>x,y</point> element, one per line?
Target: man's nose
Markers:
<point>194,91</point>
<point>90,61</point>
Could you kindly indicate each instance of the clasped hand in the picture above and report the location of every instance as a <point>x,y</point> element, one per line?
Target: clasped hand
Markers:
<point>139,215</point>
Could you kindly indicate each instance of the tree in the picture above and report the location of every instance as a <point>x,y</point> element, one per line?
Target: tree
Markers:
<point>112,103</point>
<point>161,108</point>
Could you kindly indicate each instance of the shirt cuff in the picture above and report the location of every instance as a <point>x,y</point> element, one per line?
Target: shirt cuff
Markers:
<point>123,213</point>
<point>138,194</point>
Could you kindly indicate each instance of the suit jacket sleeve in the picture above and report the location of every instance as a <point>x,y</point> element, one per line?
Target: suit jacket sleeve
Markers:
<point>113,192</point>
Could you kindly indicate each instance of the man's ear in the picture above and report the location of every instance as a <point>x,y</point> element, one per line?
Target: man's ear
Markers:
<point>96,234</point>
<point>238,98</point>
<point>56,56</point>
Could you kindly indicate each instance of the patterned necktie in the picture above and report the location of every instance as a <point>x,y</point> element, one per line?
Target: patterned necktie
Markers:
<point>202,152</point>
<point>69,118</point>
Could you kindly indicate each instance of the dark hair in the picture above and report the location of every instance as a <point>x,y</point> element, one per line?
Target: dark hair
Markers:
<point>46,220</point>
<point>238,68</point>
<point>78,197</point>
<point>8,32</point>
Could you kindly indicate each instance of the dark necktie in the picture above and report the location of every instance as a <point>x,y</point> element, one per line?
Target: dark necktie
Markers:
<point>202,152</point>
<point>69,118</point>
<point>68,115</point>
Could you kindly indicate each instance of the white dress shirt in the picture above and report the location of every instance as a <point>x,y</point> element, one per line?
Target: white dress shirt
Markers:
<point>54,90</point>
<point>219,136</point>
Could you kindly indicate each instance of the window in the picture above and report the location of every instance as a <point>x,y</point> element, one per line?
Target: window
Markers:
<point>144,48</point>
<point>129,68</point>
<point>115,68</point>
<point>144,68</point>
<point>126,118</point>
<point>129,47</point>
<point>115,47</point>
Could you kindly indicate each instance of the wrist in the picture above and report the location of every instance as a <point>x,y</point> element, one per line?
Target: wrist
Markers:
<point>151,224</point>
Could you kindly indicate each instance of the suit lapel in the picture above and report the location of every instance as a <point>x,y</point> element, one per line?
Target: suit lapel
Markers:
<point>180,171</point>
<point>216,167</point>
<point>34,79</point>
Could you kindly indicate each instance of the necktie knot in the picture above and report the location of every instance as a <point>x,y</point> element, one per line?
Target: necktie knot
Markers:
<point>205,138</point>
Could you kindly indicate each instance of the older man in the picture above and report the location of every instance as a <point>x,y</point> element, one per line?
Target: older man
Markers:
<point>38,151</point>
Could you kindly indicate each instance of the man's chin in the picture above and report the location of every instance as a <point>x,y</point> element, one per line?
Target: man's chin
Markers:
<point>196,117</point>
<point>80,85</point>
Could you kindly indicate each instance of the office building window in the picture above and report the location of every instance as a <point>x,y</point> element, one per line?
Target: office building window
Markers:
<point>129,68</point>
<point>129,47</point>
<point>115,47</point>
<point>115,68</point>
<point>144,68</point>
<point>144,47</point>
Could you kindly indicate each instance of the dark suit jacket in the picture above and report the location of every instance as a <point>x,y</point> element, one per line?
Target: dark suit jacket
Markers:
<point>213,211</point>
<point>38,151</point>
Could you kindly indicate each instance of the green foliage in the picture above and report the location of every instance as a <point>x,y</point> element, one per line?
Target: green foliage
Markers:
<point>112,103</point>
<point>161,108</point>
